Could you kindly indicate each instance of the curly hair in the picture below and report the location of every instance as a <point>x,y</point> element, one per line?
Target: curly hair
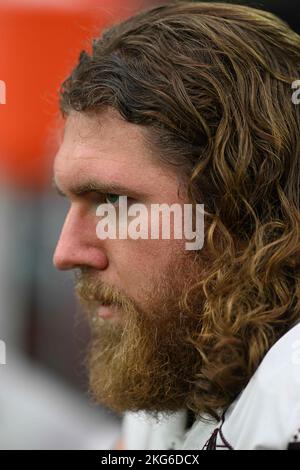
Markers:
<point>212,84</point>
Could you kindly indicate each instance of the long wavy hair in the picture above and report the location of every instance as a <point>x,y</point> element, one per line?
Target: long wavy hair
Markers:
<point>212,84</point>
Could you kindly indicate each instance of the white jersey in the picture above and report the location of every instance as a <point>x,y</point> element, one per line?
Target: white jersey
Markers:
<point>266,415</point>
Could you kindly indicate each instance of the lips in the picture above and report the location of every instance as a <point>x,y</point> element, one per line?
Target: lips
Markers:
<point>107,311</point>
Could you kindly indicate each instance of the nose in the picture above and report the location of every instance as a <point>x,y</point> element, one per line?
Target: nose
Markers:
<point>78,244</point>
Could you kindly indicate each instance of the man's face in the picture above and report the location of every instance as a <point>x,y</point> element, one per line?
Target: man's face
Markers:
<point>141,356</point>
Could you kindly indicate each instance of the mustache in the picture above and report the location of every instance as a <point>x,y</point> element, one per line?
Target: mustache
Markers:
<point>90,290</point>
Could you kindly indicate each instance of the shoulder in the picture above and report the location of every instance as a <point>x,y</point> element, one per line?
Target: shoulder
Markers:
<point>267,413</point>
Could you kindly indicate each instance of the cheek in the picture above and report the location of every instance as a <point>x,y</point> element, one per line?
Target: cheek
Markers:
<point>140,262</point>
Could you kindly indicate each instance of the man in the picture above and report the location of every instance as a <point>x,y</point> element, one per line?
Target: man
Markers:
<point>190,103</point>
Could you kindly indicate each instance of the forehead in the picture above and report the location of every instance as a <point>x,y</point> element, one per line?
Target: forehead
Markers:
<point>105,146</point>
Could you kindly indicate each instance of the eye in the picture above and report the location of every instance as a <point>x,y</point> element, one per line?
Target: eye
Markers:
<point>112,198</point>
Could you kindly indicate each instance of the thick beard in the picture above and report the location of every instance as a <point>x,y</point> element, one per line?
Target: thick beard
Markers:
<point>146,360</point>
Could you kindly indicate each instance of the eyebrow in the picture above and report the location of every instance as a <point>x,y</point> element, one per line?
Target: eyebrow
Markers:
<point>99,188</point>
